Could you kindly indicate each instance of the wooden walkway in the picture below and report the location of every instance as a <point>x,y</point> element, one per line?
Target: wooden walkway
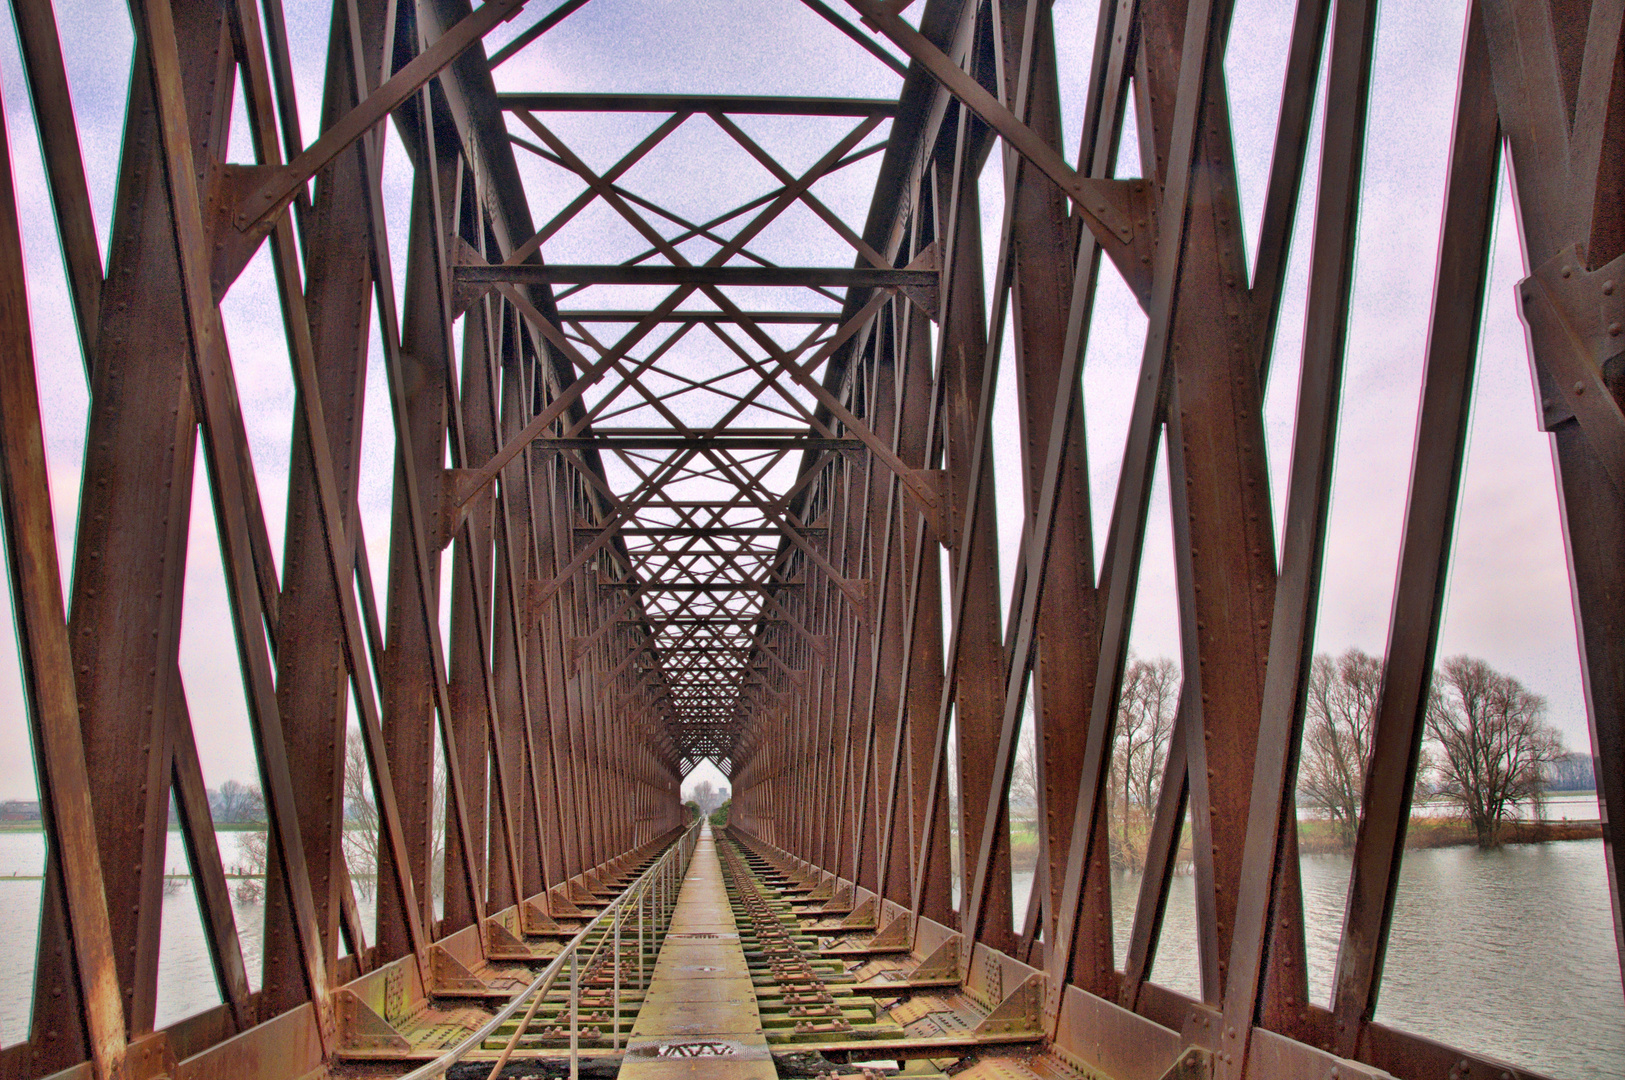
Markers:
<point>699,1017</point>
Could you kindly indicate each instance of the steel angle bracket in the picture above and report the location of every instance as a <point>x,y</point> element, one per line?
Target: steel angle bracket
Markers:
<point>1196,1063</point>
<point>449,977</point>
<point>941,966</point>
<point>862,917</point>
<point>898,934</point>
<point>1136,202</point>
<point>453,507</point>
<point>535,921</point>
<point>560,904</point>
<point>233,250</point>
<point>927,298</point>
<point>937,514</point>
<point>362,1032</point>
<point>465,294</point>
<point>857,594</point>
<point>150,1057</point>
<point>1020,1013</point>
<point>1576,321</point>
<point>502,941</point>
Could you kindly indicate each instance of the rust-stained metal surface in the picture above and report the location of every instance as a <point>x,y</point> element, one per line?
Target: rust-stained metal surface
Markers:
<point>699,1015</point>
<point>700,473</point>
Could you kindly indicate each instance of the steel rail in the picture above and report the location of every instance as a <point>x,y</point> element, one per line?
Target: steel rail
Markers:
<point>539,987</point>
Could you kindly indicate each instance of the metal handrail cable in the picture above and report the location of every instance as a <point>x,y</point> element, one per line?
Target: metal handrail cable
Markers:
<point>680,852</point>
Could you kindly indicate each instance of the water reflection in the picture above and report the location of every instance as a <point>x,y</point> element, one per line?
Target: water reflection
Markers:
<point>186,981</point>
<point>1510,952</point>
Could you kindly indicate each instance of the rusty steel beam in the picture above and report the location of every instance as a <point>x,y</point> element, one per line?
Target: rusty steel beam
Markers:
<point>76,888</point>
<point>627,317</point>
<point>1564,183</point>
<point>1461,282</point>
<point>311,681</point>
<point>1269,857</point>
<point>286,180</point>
<point>774,543</point>
<point>764,276</point>
<point>736,104</point>
<point>1088,194</point>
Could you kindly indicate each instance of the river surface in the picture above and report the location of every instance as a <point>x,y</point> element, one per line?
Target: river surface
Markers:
<point>1509,952</point>
<point>1556,806</point>
<point>186,983</point>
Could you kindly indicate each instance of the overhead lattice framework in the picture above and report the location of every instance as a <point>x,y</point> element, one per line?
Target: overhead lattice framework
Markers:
<point>710,531</point>
<point>691,457</point>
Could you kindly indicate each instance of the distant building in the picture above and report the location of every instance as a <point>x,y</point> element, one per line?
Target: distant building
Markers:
<point>19,810</point>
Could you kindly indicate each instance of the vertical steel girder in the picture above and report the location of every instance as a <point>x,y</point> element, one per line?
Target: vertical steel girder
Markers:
<point>312,682</point>
<point>1247,643</point>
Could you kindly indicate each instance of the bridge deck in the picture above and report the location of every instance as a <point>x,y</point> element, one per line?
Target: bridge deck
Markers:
<point>699,1017</point>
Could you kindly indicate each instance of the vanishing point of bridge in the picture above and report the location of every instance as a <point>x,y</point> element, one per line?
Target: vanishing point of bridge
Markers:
<point>706,471</point>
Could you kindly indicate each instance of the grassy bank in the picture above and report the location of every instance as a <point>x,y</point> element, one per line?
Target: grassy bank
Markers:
<point>1453,832</point>
<point>1320,838</point>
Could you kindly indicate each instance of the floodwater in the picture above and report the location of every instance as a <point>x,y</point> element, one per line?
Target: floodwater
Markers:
<point>186,982</point>
<point>1559,806</point>
<point>1509,952</point>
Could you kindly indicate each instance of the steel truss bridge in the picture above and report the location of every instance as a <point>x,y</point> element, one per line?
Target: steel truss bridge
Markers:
<point>700,524</point>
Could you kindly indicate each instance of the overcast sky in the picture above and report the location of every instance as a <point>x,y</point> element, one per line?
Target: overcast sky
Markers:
<point>1508,599</point>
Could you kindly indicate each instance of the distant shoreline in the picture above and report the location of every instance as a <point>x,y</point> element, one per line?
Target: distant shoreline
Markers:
<point>1317,836</point>
<point>1432,832</point>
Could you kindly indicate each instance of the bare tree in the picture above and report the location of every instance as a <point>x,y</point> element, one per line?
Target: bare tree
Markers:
<point>360,817</point>
<point>362,823</point>
<point>1024,776</point>
<point>1573,772</point>
<point>705,797</point>
<point>1494,742</point>
<point>360,830</point>
<point>234,802</point>
<point>1338,718</point>
<point>253,853</point>
<point>1024,798</point>
<point>1146,711</point>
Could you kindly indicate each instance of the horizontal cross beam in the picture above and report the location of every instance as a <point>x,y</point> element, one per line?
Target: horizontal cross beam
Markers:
<point>697,621</point>
<point>694,442</point>
<point>778,276</point>
<point>732,586</point>
<point>745,104</point>
<point>602,315</point>
<point>693,530</point>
